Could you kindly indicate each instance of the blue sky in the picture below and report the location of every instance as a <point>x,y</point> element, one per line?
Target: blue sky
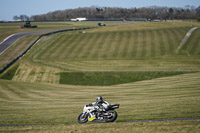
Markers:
<point>9,8</point>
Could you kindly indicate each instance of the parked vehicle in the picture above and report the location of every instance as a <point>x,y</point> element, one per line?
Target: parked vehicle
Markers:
<point>28,25</point>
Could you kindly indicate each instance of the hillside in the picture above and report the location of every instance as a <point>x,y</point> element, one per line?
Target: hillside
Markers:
<point>133,64</point>
<point>59,105</point>
<point>117,48</point>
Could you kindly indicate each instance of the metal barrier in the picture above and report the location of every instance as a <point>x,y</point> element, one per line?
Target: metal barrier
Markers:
<point>47,34</point>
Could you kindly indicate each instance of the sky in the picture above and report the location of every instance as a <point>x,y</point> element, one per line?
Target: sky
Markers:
<point>10,8</point>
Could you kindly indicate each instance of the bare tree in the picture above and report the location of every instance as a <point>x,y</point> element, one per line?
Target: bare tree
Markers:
<point>15,18</point>
<point>154,12</point>
<point>198,13</point>
<point>24,17</point>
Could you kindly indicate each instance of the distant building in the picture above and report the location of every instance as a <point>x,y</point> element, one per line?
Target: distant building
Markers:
<point>78,19</point>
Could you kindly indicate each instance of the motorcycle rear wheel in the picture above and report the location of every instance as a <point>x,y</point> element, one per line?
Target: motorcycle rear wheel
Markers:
<point>113,116</point>
<point>82,118</point>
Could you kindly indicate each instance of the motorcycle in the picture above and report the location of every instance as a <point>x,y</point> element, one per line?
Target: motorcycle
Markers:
<point>96,114</point>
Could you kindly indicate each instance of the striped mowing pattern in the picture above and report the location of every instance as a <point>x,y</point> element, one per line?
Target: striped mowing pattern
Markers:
<point>162,98</point>
<point>113,45</point>
<point>192,46</point>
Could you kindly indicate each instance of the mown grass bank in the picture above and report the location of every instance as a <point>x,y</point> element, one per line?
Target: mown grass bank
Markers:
<point>112,45</point>
<point>10,73</point>
<point>117,47</point>
<point>139,47</point>
<point>110,78</point>
<point>192,47</point>
<point>16,49</point>
<point>162,98</point>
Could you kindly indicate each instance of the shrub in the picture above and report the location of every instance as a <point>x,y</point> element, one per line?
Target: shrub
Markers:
<point>198,18</point>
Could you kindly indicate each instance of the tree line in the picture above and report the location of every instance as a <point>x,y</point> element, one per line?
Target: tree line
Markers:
<point>153,12</point>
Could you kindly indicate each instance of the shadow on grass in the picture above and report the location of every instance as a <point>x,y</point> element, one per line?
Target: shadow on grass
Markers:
<point>10,73</point>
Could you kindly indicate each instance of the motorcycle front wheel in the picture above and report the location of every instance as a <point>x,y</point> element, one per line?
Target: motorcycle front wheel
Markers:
<point>82,118</point>
<point>112,116</point>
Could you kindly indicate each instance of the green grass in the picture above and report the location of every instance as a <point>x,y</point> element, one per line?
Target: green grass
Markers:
<point>112,45</point>
<point>116,51</point>
<point>110,78</point>
<point>7,29</point>
<point>16,49</point>
<point>162,98</point>
<point>115,48</point>
<point>192,46</point>
<point>141,127</point>
<point>10,73</point>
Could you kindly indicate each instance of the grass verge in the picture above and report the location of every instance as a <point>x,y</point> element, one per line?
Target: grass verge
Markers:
<point>192,46</point>
<point>10,73</point>
<point>139,127</point>
<point>110,78</point>
<point>162,98</point>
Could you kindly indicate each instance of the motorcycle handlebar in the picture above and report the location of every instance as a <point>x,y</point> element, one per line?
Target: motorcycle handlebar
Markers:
<point>114,106</point>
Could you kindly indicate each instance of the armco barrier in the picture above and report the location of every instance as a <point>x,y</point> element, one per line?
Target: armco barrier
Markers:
<point>47,34</point>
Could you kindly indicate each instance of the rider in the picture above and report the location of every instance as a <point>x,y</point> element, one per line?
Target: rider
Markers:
<point>100,103</point>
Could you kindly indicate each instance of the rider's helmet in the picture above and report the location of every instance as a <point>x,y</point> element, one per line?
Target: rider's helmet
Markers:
<point>99,99</point>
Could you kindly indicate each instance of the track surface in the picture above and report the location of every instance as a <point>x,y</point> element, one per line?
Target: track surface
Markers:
<point>160,120</point>
<point>186,37</point>
<point>11,39</point>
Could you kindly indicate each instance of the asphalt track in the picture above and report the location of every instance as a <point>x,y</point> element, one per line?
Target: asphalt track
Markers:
<point>158,120</point>
<point>186,38</point>
<point>6,43</point>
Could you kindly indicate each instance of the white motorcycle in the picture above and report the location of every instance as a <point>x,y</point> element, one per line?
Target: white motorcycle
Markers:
<point>95,114</point>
